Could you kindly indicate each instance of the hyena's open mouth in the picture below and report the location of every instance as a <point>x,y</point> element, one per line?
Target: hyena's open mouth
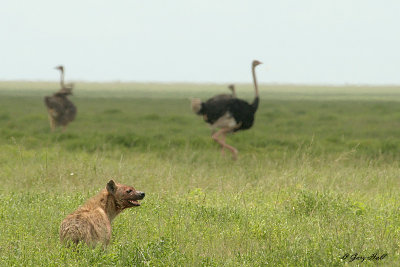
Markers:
<point>133,203</point>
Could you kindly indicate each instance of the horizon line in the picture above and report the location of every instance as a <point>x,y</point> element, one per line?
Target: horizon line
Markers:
<point>209,83</point>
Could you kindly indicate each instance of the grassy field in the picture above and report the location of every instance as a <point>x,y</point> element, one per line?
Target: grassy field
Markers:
<point>317,177</point>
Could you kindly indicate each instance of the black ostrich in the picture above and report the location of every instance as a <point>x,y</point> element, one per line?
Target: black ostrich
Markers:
<point>228,114</point>
<point>60,109</point>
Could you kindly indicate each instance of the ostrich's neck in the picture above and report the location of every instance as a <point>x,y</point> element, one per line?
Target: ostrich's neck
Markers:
<point>62,79</point>
<point>255,80</point>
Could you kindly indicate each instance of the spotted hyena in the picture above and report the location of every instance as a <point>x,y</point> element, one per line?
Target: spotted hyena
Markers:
<point>91,223</point>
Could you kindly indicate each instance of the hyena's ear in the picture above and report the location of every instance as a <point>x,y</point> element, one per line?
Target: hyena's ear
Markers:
<point>111,187</point>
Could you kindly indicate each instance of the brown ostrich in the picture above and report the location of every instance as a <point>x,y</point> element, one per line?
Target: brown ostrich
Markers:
<point>232,88</point>
<point>60,109</point>
<point>224,96</point>
<point>228,114</point>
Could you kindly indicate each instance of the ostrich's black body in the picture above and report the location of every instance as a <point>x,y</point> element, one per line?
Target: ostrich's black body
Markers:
<point>240,110</point>
<point>60,108</point>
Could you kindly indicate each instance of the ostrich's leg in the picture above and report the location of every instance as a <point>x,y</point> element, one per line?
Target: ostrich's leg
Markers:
<point>222,133</point>
<point>213,131</point>
<point>223,137</point>
<point>52,123</point>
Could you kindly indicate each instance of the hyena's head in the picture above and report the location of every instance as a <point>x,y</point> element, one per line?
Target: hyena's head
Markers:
<point>125,196</point>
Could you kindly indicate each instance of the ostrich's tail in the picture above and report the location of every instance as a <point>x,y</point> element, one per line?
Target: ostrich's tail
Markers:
<point>47,100</point>
<point>196,105</point>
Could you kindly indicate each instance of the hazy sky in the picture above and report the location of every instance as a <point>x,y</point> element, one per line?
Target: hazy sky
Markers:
<point>300,41</point>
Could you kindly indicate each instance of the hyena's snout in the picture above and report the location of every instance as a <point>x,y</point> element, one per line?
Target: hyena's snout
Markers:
<point>140,195</point>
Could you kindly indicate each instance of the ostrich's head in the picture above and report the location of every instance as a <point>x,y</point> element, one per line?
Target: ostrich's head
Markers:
<point>196,105</point>
<point>231,87</point>
<point>60,67</point>
<point>256,63</point>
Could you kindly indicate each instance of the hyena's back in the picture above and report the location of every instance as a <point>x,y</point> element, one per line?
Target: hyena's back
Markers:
<point>92,227</point>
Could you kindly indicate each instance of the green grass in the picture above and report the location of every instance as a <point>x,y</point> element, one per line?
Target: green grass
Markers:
<point>317,176</point>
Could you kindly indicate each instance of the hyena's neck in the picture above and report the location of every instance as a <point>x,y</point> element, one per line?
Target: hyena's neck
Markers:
<point>107,203</point>
<point>111,208</point>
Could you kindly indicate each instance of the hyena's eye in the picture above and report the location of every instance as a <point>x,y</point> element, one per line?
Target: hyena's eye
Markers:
<point>129,191</point>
